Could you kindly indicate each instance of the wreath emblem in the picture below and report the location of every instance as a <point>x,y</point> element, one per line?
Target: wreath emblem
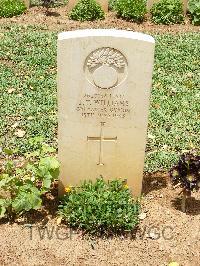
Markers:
<point>106,67</point>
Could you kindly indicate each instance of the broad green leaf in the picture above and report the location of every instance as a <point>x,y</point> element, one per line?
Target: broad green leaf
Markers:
<point>28,198</point>
<point>2,210</point>
<point>5,179</point>
<point>47,183</point>
<point>4,204</point>
<point>8,151</point>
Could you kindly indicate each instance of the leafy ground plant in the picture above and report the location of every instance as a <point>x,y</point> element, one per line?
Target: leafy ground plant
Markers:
<point>131,10</point>
<point>87,10</point>
<point>194,9</point>
<point>22,185</point>
<point>186,174</point>
<point>100,207</point>
<point>10,8</point>
<point>167,12</point>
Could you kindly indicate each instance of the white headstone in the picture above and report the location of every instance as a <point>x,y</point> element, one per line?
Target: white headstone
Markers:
<point>104,81</point>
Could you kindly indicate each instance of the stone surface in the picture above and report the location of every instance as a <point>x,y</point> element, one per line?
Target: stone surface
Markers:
<point>103,4</point>
<point>151,2</point>
<point>104,81</point>
<point>27,3</point>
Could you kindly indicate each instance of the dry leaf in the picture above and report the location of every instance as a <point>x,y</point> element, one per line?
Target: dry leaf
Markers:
<point>59,220</point>
<point>189,74</point>
<point>164,147</point>
<point>152,235</point>
<point>151,136</point>
<point>20,133</point>
<point>11,90</point>
<point>142,216</point>
<point>15,125</point>
<point>173,263</point>
<point>154,182</point>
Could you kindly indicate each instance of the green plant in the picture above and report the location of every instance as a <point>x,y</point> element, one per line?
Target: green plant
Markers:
<point>22,185</point>
<point>194,9</point>
<point>112,4</point>
<point>167,12</point>
<point>187,172</point>
<point>10,8</point>
<point>100,207</point>
<point>133,10</point>
<point>87,10</point>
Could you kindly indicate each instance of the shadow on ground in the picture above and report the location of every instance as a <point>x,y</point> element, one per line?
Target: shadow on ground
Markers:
<point>192,205</point>
<point>48,211</point>
<point>154,181</point>
<point>52,14</point>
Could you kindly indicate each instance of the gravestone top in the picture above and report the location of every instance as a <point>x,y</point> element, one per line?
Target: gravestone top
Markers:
<point>105,32</point>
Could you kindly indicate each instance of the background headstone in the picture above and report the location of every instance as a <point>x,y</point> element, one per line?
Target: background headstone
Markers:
<point>104,80</point>
<point>103,3</point>
<point>27,3</point>
<point>151,2</point>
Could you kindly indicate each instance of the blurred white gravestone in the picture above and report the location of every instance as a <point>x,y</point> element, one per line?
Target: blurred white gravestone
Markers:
<point>27,3</point>
<point>104,81</point>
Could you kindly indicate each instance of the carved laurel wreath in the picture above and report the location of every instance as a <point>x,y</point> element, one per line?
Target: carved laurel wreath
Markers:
<point>106,56</point>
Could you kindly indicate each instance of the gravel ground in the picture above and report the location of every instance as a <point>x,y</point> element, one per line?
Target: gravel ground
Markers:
<point>166,234</point>
<point>58,20</point>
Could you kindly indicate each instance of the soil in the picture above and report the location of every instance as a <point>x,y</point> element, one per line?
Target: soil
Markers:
<point>56,19</point>
<point>165,233</point>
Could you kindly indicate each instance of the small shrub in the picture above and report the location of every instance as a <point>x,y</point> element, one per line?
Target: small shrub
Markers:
<point>100,207</point>
<point>112,4</point>
<point>133,10</point>
<point>194,9</point>
<point>87,10</point>
<point>187,172</point>
<point>22,186</point>
<point>10,8</point>
<point>167,12</point>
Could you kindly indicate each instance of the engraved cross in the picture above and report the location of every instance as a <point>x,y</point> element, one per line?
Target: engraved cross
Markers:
<point>101,139</point>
